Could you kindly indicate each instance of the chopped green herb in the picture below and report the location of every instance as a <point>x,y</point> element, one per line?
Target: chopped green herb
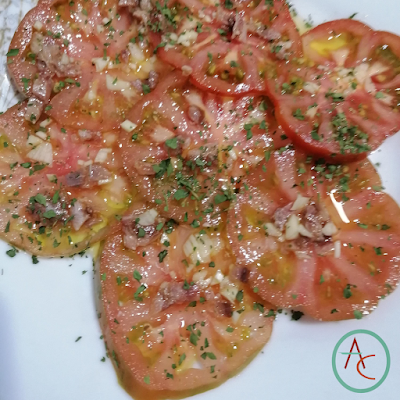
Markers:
<point>162,255</point>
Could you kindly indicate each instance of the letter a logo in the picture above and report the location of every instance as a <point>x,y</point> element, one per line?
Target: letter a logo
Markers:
<point>351,353</point>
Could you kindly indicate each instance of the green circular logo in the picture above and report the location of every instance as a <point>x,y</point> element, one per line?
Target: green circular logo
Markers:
<point>335,351</point>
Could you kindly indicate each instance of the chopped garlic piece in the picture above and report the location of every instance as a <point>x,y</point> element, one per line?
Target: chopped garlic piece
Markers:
<point>199,278</point>
<point>100,63</point>
<point>312,112</point>
<point>115,84</point>
<point>46,122</point>
<point>229,290</point>
<point>304,231</point>
<point>91,94</point>
<point>187,38</point>
<point>85,163</point>
<point>232,154</point>
<point>329,229</point>
<point>272,230</point>
<point>161,134</point>
<point>199,248</point>
<point>38,25</point>
<point>128,126</point>
<point>338,249</point>
<point>235,317</point>
<point>42,135</point>
<point>52,178</point>
<point>148,217</point>
<point>311,87</point>
<point>136,53</point>
<point>102,155</point>
<point>187,70</point>
<point>218,278</point>
<point>300,203</point>
<point>33,141</point>
<point>42,153</point>
<point>292,228</point>
<point>65,60</point>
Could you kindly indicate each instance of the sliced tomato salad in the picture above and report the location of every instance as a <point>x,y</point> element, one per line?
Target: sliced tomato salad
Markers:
<point>177,317</point>
<point>219,157</point>
<point>318,238</point>
<point>61,190</point>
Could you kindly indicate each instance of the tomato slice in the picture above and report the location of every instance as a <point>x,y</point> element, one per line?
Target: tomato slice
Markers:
<point>174,329</point>
<point>315,237</point>
<point>56,51</point>
<point>45,45</point>
<point>107,26</point>
<point>332,110</point>
<point>61,190</point>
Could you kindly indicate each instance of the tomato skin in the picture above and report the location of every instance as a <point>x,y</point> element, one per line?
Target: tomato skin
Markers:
<point>332,28</point>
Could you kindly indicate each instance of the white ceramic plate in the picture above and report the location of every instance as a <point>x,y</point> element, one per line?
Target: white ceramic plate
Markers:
<point>44,308</point>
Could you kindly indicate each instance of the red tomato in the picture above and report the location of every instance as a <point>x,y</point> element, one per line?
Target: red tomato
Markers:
<point>326,245</point>
<point>51,204</point>
<point>332,110</point>
<point>27,41</point>
<point>169,329</point>
<point>360,125</point>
